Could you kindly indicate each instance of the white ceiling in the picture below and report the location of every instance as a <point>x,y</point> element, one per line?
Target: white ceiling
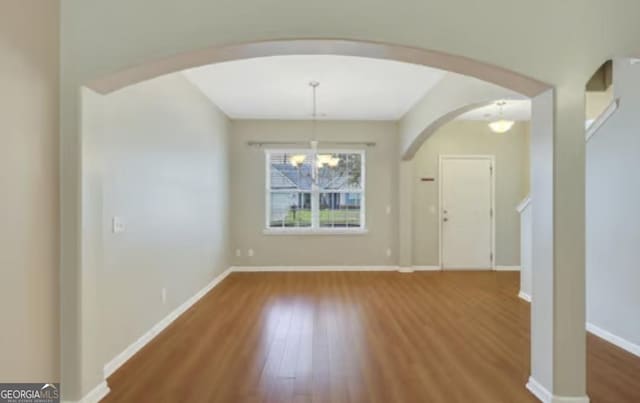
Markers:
<point>351,88</point>
<point>517,110</point>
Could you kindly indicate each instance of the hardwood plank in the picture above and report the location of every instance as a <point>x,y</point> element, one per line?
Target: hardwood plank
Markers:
<point>356,337</point>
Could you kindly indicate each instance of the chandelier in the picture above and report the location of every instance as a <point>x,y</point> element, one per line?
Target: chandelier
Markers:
<point>321,159</point>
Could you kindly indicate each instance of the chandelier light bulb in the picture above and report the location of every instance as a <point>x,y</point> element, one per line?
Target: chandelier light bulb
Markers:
<point>297,160</point>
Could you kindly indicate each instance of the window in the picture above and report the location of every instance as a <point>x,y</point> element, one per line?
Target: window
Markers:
<point>311,191</point>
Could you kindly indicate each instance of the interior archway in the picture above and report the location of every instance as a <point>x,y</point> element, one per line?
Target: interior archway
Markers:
<point>504,78</point>
<point>510,81</point>
<point>458,64</point>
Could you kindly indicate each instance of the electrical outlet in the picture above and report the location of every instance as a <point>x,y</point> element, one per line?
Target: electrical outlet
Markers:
<point>238,253</point>
<point>117,225</point>
<point>163,294</point>
<point>250,252</point>
<point>388,251</point>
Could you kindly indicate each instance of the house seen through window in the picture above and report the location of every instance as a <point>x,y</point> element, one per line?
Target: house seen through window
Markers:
<point>311,190</point>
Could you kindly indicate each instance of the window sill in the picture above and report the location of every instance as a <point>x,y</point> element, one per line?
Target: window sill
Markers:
<point>288,231</point>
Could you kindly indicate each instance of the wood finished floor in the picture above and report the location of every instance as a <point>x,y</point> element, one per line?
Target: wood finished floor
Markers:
<point>356,337</point>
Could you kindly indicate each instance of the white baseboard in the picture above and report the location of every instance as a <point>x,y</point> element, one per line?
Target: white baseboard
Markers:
<point>603,334</point>
<point>95,395</point>
<point>570,399</point>
<point>312,268</point>
<point>545,396</point>
<point>427,268</point>
<point>507,268</point>
<point>539,391</point>
<point>613,339</point>
<point>411,269</point>
<point>523,295</point>
<point>121,358</point>
<point>408,269</point>
<point>405,269</point>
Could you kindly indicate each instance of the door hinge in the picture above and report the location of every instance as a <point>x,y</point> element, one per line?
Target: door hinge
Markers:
<point>491,212</point>
<point>491,256</point>
<point>491,169</point>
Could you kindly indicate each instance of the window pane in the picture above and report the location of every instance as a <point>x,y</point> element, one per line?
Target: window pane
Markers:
<point>290,171</point>
<point>290,209</point>
<point>340,210</point>
<point>342,171</point>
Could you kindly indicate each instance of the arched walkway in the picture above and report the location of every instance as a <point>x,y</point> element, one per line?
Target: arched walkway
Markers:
<point>78,378</point>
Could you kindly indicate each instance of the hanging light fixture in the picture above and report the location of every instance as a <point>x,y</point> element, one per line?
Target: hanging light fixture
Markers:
<point>321,159</point>
<point>501,125</point>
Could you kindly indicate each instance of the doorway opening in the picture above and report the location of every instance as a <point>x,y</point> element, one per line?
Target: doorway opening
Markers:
<point>409,138</point>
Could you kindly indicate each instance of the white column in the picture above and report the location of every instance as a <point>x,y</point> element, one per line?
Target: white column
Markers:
<point>558,337</point>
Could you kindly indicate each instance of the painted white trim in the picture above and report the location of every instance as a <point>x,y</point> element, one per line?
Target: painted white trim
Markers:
<point>545,396</point>
<point>523,295</point>
<point>469,268</point>
<point>570,399</point>
<point>95,395</point>
<point>411,269</point>
<point>507,268</point>
<point>613,339</point>
<point>602,118</point>
<point>125,355</point>
<point>539,391</point>
<point>401,269</point>
<point>523,204</point>
<point>319,231</point>
<point>251,269</point>
<point>427,268</point>
<point>491,158</point>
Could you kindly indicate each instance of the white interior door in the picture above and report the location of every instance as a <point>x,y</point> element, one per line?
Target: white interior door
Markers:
<point>466,212</point>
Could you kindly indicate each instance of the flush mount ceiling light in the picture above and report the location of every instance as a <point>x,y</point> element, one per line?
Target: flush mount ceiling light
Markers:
<point>321,159</point>
<point>501,125</point>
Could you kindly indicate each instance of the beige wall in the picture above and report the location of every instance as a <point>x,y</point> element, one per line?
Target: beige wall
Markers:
<point>155,154</point>
<point>511,151</point>
<point>248,197</point>
<point>29,347</point>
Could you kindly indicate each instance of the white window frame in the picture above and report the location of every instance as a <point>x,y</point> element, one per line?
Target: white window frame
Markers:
<point>315,228</point>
